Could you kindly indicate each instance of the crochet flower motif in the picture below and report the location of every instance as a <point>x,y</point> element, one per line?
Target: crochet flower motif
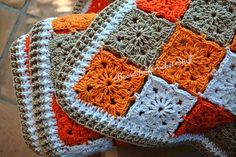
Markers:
<point>139,37</point>
<point>222,89</point>
<point>216,19</point>
<point>160,107</point>
<point>107,84</point>
<point>188,60</point>
<point>170,9</point>
<point>203,117</point>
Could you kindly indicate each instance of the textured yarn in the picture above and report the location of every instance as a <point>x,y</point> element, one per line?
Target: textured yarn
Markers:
<point>146,72</point>
<point>169,9</point>
<point>102,87</point>
<point>189,59</point>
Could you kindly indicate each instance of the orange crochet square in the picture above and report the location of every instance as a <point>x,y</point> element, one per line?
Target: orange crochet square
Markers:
<point>72,23</point>
<point>203,117</point>
<point>188,59</point>
<point>170,9</point>
<point>110,83</point>
<point>97,5</point>
<point>69,131</point>
<point>233,45</point>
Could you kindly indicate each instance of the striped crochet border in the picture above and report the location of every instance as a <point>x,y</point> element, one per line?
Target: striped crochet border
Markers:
<point>22,86</point>
<point>47,130</point>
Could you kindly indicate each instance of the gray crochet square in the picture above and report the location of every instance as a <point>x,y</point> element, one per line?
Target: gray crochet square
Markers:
<point>140,37</point>
<point>214,18</point>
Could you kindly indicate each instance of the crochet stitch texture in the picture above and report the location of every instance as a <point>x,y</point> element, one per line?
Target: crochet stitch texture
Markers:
<point>75,139</point>
<point>216,19</point>
<point>233,46</point>
<point>222,88</point>
<point>100,87</point>
<point>140,37</point>
<point>185,59</point>
<point>171,9</point>
<point>160,107</point>
<point>70,133</point>
<point>201,57</point>
<point>151,73</point>
<point>60,46</point>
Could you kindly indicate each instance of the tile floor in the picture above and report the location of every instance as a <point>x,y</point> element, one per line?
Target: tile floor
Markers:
<point>17,17</point>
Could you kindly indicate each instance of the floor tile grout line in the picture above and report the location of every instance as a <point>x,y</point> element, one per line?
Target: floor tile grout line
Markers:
<point>5,6</point>
<point>20,11</point>
<point>13,31</point>
<point>25,8</point>
<point>8,44</point>
<point>5,52</point>
<point>8,101</point>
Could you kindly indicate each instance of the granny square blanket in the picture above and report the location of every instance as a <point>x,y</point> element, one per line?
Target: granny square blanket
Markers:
<point>147,72</point>
<point>153,73</point>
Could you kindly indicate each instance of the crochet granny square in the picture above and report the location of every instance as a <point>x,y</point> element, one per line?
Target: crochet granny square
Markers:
<point>99,86</point>
<point>159,108</point>
<point>140,37</point>
<point>163,94</point>
<point>215,18</point>
<point>171,9</point>
<point>188,59</point>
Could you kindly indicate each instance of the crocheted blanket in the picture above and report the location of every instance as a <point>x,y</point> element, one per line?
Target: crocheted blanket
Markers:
<point>145,72</point>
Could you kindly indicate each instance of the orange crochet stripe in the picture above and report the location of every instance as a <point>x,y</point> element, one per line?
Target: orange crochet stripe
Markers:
<point>71,23</point>
<point>233,45</point>
<point>69,131</point>
<point>188,59</point>
<point>108,84</point>
<point>203,117</point>
<point>97,5</point>
<point>26,49</point>
<point>170,9</point>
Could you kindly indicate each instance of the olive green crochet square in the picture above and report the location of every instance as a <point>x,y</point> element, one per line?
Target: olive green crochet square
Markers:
<point>140,37</point>
<point>214,18</point>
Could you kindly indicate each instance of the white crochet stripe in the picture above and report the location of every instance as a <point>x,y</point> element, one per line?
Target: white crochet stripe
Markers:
<point>79,70</point>
<point>60,149</point>
<point>49,121</point>
<point>26,91</point>
<point>86,7</point>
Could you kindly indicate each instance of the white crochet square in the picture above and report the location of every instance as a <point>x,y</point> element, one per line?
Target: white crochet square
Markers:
<point>222,88</point>
<point>159,108</point>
